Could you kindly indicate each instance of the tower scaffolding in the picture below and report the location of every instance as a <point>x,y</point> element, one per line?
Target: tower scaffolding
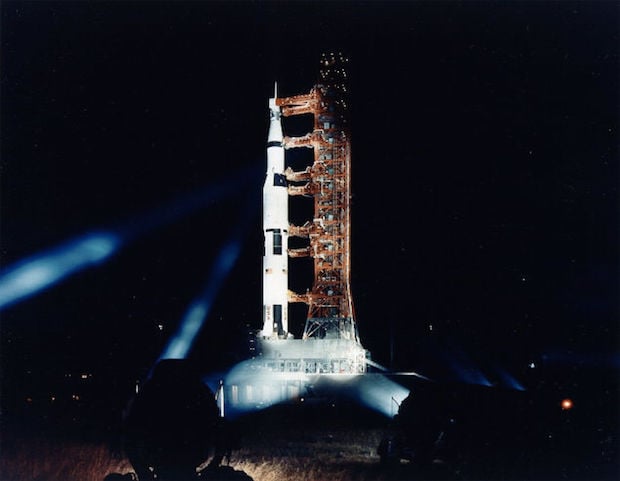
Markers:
<point>331,313</point>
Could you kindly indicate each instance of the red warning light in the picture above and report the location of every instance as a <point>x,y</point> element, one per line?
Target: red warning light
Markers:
<point>566,404</point>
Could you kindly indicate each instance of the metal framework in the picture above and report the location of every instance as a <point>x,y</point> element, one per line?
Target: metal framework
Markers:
<point>328,181</point>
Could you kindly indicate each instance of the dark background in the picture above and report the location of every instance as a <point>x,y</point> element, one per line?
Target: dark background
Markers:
<point>485,177</point>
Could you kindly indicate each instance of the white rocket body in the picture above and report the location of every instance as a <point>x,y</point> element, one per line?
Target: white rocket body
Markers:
<point>275,230</point>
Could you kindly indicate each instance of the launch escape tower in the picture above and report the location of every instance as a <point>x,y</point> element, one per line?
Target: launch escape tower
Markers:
<point>330,341</point>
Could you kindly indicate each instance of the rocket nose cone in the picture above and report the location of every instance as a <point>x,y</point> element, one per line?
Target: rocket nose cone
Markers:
<point>275,124</point>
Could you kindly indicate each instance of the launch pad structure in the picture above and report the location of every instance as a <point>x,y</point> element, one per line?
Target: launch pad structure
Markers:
<point>284,366</point>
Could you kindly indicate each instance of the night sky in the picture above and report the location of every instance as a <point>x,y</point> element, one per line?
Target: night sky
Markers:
<point>484,158</point>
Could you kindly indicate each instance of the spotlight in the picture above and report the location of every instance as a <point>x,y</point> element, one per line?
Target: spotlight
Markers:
<point>42,271</point>
<point>46,269</point>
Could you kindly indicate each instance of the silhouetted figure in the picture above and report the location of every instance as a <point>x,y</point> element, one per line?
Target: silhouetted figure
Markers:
<point>226,441</point>
<point>172,424</point>
<point>425,428</point>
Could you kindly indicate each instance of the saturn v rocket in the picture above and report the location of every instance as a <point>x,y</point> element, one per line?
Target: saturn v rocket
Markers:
<point>330,344</point>
<point>275,230</point>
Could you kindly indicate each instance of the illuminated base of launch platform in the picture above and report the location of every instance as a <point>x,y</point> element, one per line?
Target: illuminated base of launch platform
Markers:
<point>288,370</point>
<point>252,386</point>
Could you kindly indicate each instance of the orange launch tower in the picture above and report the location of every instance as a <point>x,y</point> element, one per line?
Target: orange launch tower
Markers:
<point>328,181</point>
